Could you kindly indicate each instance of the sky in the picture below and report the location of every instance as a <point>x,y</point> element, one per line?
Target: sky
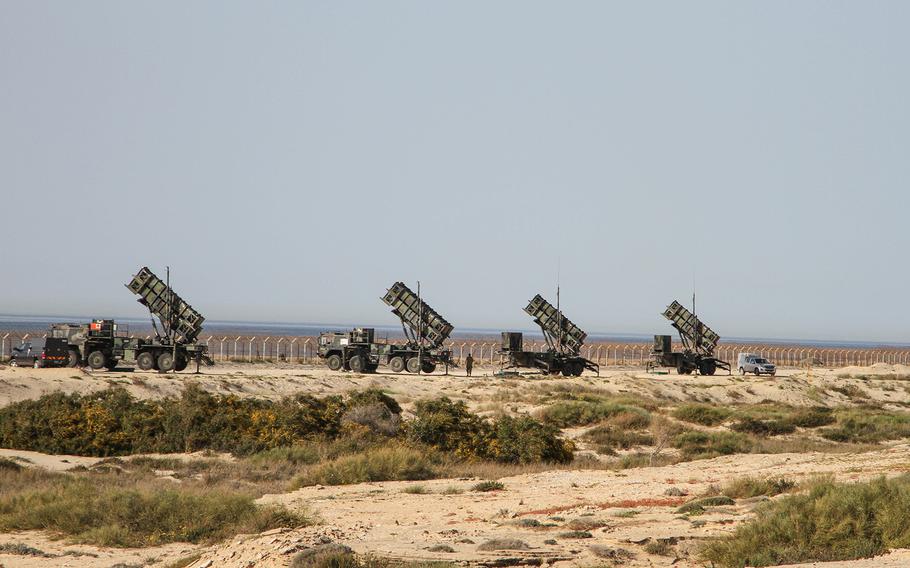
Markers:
<point>291,160</point>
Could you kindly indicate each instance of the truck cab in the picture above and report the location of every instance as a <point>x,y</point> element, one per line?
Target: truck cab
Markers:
<point>352,351</point>
<point>751,363</point>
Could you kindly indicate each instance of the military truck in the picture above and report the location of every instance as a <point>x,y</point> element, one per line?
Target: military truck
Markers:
<point>699,342</point>
<point>101,344</point>
<point>564,341</point>
<point>354,350</point>
<point>424,329</point>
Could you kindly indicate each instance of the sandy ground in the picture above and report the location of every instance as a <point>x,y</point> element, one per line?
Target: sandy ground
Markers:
<point>382,519</point>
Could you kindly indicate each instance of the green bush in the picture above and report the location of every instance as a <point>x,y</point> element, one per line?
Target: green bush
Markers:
<point>390,463</point>
<point>811,417</point>
<point>747,487</point>
<point>486,486</point>
<point>763,427</point>
<point>700,445</point>
<point>703,414</point>
<point>525,440</point>
<point>584,412</point>
<point>607,438</point>
<point>868,426</point>
<point>449,427</point>
<point>112,422</point>
<point>121,511</point>
<point>831,522</point>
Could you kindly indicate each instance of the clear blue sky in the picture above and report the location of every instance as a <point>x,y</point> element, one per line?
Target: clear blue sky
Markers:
<point>290,160</point>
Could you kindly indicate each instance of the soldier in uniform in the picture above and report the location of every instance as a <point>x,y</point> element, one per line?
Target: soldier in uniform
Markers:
<point>469,364</point>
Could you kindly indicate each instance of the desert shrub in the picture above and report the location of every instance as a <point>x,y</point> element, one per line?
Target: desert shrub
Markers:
<point>868,425</point>
<point>851,391</point>
<point>485,486</point>
<point>811,417</point>
<point>583,524</point>
<point>112,422</point>
<point>703,414</point>
<point>369,397</point>
<point>21,549</point>
<point>389,463</point>
<point>503,544</point>
<point>659,547</point>
<point>606,438</point>
<point>697,506</point>
<point>831,522</point>
<point>376,417</point>
<point>340,556</point>
<point>525,440</point>
<point>584,412</point>
<point>763,427</point>
<point>124,511</point>
<point>701,445</point>
<point>449,427</point>
<point>6,463</point>
<point>576,534</point>
<point>747,487</point>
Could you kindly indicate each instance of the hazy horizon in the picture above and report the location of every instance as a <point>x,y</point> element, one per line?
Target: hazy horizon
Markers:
<point>290,161</point>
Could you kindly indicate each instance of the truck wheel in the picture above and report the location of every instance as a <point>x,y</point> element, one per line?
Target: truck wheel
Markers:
<point>742,371</point>
<point>181,364</point>
<point>356,363</point>
<point>412,365</point>
<point>578,370</point>
<point>429,367</point>
<point>166,362</point>
<point>708,368</point>
<point>334,362</point>
<point>96,360</point>
<point>13,363</point>
<point>145,361</point>
<point>757,372</point>
<point>72,358</point>
<point>396,364</point>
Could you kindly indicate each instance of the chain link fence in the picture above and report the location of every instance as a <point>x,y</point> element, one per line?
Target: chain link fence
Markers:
<point>251,349</point>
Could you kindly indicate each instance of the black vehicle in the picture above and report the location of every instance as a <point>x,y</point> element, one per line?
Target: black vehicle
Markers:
<point>55,353</point>
<point>22,356</point>
<point>564,341</point>
<point>699,343</point>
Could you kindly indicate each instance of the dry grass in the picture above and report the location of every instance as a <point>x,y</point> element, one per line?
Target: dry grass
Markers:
<point>130,510</point>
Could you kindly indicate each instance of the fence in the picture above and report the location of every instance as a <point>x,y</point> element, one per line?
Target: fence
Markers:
<point>303,350</point>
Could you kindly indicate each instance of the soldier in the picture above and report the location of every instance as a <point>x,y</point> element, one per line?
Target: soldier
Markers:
<point>469,364</point>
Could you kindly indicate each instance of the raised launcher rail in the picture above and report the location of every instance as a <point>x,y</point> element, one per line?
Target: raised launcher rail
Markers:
<point>560,333</point>
<point>418,319</point>
<point>699,342</point>
<point>564,341</point>
<point>181,322</point>
<point>694,334</point>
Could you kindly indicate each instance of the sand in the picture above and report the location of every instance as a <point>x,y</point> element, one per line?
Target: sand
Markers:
<point>380,518</point>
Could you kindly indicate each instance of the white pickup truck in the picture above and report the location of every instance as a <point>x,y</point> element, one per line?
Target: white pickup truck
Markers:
<point>751,363</point>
